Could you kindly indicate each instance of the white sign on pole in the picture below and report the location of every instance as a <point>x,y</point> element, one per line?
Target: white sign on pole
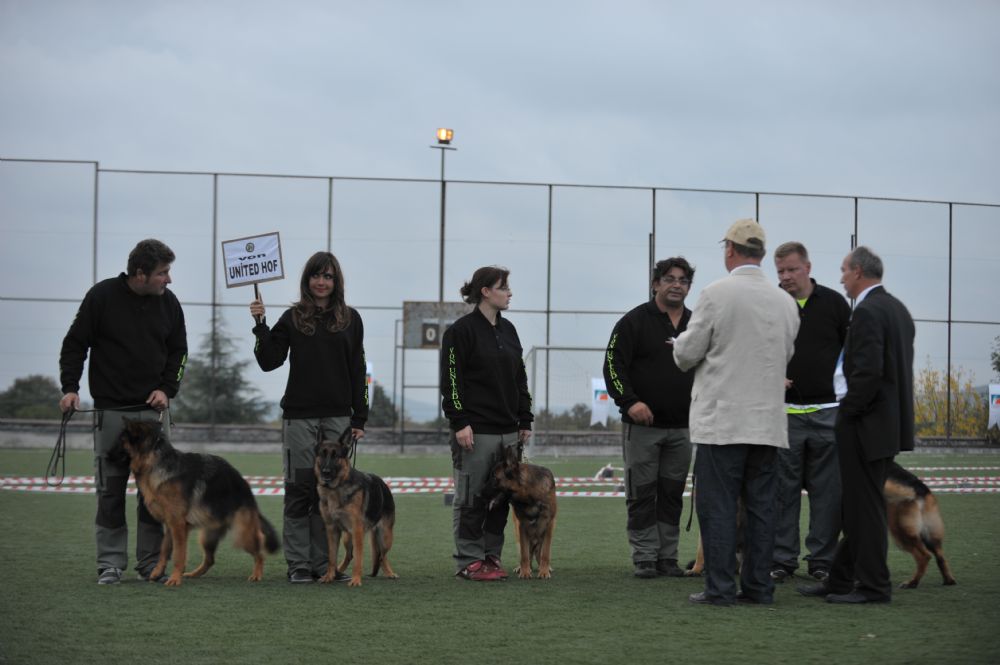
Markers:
<point>994,406</point>
<point>600,407</point>
<point>252,260</point>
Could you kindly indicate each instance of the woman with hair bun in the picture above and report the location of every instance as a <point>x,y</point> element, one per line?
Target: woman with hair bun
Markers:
<point>484,394</point>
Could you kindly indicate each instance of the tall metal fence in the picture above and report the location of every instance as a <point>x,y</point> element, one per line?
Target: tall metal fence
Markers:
<point>579,257</point>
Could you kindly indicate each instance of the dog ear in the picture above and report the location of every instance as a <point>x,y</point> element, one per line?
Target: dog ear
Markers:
<point>345,436</point>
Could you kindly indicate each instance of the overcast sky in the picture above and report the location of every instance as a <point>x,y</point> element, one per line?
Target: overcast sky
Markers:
<point>889,98</point>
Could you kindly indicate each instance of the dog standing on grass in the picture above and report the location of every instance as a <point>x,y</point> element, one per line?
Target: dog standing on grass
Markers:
<point>185,490</point>
<point>351,503</point>
<point>914,522</point>
<point>531,490</point>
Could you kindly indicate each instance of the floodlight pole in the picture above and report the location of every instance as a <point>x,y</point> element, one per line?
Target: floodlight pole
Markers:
<point>444,137</point>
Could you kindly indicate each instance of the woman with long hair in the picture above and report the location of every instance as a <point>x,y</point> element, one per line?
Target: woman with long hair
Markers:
<point>484,394</point>
<point>326,393</point>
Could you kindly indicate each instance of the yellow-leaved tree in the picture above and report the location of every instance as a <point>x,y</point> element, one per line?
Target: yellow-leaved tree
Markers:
<point>930,395</point>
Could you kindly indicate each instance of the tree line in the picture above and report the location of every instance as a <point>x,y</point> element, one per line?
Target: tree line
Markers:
<point>216,390</point>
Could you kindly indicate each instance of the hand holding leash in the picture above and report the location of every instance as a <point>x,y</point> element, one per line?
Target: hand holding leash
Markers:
<point>158,400</point>
<point>69,403</point>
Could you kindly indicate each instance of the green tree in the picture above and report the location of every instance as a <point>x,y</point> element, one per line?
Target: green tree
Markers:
<point>995,357</point>
<point>236,400</point>
<point>575,419</point>
<point>34,396</point>
<point>382,412</point>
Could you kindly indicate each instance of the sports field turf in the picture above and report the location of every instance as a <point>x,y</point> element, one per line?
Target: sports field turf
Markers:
<point>592,611</point>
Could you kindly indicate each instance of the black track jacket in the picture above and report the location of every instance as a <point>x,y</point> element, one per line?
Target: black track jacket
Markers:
<point>483,380</point>
<point>327,377</point>
<point>137,344</point>
<point>639,366</point>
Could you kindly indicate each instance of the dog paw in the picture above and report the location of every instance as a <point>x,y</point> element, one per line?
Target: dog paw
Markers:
<point>173,581</point>
<point>354,582</point>
<point>544,574</point>
<point>909,585</point>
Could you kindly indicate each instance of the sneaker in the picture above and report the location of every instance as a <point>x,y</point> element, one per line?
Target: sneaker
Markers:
<point>110,576</point>
<point>479,571</point>
<point>337,576</point>
<point>779,575</point>
<point>645,569</point>
<point>300,577</point>
<point>820,574</point>
<point>668,568</point>
<point>493,561</point>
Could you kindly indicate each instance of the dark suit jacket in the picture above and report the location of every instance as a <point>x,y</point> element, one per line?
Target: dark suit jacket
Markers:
<point>878,365</point>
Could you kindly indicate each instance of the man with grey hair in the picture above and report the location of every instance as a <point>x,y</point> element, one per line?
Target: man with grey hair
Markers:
<point>739,341</point>
<point>874,423</point>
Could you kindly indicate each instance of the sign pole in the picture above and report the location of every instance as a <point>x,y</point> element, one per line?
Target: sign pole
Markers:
<point>256,296</point>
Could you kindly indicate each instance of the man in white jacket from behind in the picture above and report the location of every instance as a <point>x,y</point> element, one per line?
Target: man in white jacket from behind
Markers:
<point>739,341</point>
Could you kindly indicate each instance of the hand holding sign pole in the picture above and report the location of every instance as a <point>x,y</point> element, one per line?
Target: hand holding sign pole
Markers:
<point>252,260</point>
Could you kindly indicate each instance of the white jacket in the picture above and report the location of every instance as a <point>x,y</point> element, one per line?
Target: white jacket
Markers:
<point>739,340</point>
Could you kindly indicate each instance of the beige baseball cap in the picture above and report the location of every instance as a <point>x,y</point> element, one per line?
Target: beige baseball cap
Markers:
<point>746,232</point>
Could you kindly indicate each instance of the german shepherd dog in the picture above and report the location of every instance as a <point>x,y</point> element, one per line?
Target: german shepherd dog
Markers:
<point>531,490</point>
<point>351,503</point>
<point>185,490</point>
<point>914,522</point>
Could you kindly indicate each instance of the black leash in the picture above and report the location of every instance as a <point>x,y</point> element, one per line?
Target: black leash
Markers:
<point>353,455</point>
<point>57,462</point>
<point>691,514</point>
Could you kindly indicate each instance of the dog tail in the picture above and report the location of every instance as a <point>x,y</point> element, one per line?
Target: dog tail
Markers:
<point>271,541</point>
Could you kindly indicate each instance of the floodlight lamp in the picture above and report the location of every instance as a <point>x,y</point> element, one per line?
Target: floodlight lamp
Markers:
<point>444,136</point>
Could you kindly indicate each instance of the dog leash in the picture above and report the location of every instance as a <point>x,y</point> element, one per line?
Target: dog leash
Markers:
<point>691,513</point>
<point>57,462</point>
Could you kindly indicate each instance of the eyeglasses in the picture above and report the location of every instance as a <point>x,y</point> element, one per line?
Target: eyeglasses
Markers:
<point>323,275</point>
<point>670,279</point>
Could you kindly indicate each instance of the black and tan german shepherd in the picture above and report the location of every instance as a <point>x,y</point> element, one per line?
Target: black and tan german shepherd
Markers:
<point>531,490</point>
<point>351,503</point>
<point>191,490</point>
<point>915,523</point>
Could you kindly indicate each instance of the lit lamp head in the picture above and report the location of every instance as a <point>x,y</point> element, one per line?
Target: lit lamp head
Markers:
<point>444,136</point>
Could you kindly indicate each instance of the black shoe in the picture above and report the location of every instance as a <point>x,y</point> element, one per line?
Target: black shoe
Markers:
<point>645,569</point>
<point>779,575</point>
<point>337,576</point>
<point>300,577</point>
<point>162,579</point>
<point>820,574</point>
<point>744,599</point>
<point>814,590</point>
<point>701,598</point>
<point>668,568</point>
<point>853,598</point>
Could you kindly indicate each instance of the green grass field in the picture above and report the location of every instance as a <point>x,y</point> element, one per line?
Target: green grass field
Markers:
<point>591,611</point>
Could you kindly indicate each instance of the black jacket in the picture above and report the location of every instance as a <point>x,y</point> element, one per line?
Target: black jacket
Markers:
<point>878,366</point>
<point>328,371</point>
<point>822,330</point>
<point>137,344</point>
<point>483,380</point>
<point>639,366</point>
